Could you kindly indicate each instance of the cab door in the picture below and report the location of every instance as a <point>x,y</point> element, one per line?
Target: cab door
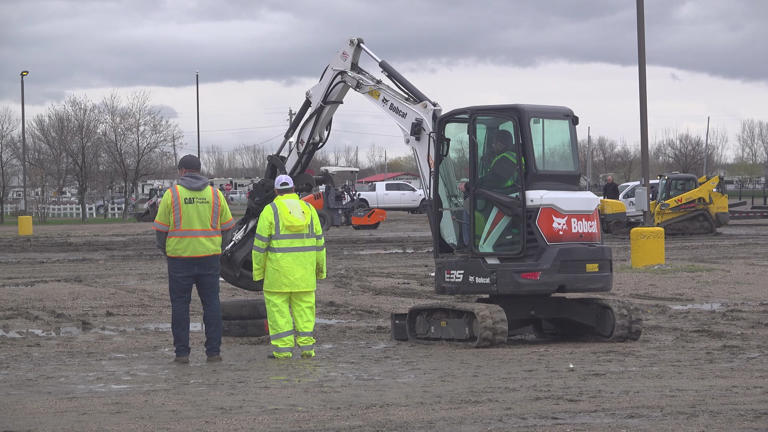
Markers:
<point>481,207</point>
<point>497,216</point>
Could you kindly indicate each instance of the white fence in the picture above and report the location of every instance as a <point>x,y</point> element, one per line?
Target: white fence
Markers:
<point>63,211</point>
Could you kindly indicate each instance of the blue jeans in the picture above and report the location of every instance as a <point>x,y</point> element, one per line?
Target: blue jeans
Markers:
<point>182,274</point>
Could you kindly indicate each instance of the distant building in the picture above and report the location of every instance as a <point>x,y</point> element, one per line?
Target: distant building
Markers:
<point>407,177</point>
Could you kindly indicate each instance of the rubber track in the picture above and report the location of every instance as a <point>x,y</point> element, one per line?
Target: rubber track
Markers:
<point>690,225</point>
<point>492,327</point>
<point>628,320</point>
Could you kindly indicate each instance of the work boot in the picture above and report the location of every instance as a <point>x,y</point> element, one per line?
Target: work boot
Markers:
<point>213,358</point>
<point>272,356</point>
<point>307,354</point>
<point>181,359</point>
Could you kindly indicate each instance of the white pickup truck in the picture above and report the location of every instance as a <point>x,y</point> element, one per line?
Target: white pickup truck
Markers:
<point>392,195</point>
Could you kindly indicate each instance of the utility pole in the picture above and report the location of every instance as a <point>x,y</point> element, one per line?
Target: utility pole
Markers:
<point>706,148</point>
<point>197,92</point>
<point>23,144</point>
<point>589,158</point>
<point>644,160</point>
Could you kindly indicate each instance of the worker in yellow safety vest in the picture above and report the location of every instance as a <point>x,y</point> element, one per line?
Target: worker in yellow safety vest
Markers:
<point>289,254</point>
<point>188,227</point>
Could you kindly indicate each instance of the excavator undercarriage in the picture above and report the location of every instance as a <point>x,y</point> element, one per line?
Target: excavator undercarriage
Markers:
<point>493,320</point>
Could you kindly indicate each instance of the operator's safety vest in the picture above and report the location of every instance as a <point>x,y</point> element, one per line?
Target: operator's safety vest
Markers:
<point>194,220</point>
<point>288,247</point>
<point>513,158</point>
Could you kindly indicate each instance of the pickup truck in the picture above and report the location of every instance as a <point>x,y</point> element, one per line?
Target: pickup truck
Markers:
<point>392,195</point>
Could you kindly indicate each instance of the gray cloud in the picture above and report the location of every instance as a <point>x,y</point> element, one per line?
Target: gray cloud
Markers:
<point>83,44</point>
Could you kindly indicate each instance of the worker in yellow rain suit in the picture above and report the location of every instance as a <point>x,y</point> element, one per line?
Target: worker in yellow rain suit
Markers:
<point>289,254</point>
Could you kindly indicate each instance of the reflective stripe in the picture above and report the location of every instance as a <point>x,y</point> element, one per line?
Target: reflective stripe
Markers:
<point>215,208</point>
<point>282,349</point>
<point>299,236</point>
<point>513,158</point>
<point>258,249</point>
<point>294,249</point>
<point>228,225</point>
<point>176,207</point>
<point>306,348</point>
<point>160,227</point>
<point>260,237</point>
<point>305,334</point>
<point>194,233</point>
<point>277,218</point>
<point>281,335</point>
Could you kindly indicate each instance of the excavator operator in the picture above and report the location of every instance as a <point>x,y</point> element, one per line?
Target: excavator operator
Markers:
<point>502,174</point>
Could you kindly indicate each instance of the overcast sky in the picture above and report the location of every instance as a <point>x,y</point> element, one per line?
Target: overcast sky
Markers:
<point>256,59</point>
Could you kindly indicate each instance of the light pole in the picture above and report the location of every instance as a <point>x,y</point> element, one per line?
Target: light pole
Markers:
<point>23,144</point>
<point>197,98</point>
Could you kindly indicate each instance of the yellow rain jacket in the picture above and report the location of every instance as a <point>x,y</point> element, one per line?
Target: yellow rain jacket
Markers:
<point>288,247</point>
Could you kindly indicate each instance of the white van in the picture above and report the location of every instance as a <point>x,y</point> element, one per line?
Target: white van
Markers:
<point>627,195</point>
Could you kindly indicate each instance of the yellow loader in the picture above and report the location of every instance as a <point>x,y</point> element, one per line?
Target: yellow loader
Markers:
<point>684,205</point>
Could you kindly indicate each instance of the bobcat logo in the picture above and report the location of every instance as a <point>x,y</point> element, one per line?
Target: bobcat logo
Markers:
<point>384,100</point>
<point>560,224</point>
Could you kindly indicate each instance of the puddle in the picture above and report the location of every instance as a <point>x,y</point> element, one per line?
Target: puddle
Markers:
<point>700,306</point>
<point>70,331</point>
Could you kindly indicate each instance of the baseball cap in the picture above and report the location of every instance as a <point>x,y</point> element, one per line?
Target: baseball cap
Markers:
<point>189,162</point>
<point>283,182</point>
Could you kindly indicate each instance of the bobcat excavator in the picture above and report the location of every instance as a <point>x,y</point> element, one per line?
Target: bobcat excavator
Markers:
<point>516,245</point>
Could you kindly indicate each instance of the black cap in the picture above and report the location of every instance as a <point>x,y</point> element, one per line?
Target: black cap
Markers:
<point>189,162</point>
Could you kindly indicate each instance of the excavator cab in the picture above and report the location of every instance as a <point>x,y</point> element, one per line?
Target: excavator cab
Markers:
<point>487,158</point>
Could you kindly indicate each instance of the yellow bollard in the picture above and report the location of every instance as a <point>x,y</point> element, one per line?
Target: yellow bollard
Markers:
<point>25,225</point>
<point>646,246</point>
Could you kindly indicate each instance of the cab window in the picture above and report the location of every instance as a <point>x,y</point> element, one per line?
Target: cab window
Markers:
<point>554,148</point>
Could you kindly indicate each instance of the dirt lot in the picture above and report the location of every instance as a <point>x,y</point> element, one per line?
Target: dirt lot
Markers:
<point>85,345</point>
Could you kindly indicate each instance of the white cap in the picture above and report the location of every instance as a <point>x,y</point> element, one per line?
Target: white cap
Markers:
<point>283,182</point>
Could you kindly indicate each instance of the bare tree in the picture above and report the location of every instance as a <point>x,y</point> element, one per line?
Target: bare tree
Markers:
<point>136,137</point>
<point>253,160</point>
<point>682,152</point>
<point>749,148</point>
<point>605,154</point>
<point>8,124</point>
<point>84,144</point>
<point>349,156</point>
<point>717,151</point>
<point>626,161</point>
<point>375,158</point>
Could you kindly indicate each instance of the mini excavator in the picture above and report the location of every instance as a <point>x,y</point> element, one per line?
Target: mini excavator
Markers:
<point>518,240</point>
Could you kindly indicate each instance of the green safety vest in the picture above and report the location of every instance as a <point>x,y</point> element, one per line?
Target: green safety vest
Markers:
<point>512,157</point>
<point>193,220</point>
<point>288,247</point>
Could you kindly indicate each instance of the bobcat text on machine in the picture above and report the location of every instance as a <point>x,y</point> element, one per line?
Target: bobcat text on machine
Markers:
<point>513,237</point>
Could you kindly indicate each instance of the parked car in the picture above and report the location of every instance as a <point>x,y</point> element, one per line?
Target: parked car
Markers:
<point>392,195</point>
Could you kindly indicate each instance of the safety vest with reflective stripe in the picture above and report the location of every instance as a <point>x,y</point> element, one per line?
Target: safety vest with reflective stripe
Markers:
<point>513,158</point>
<point>194,220</point>
<point>288,252</point>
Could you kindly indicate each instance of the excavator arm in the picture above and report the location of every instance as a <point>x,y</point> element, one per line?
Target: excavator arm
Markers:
<point>413,112</point>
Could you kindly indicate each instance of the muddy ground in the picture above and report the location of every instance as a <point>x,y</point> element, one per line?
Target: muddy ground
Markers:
<point>85,345</point>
